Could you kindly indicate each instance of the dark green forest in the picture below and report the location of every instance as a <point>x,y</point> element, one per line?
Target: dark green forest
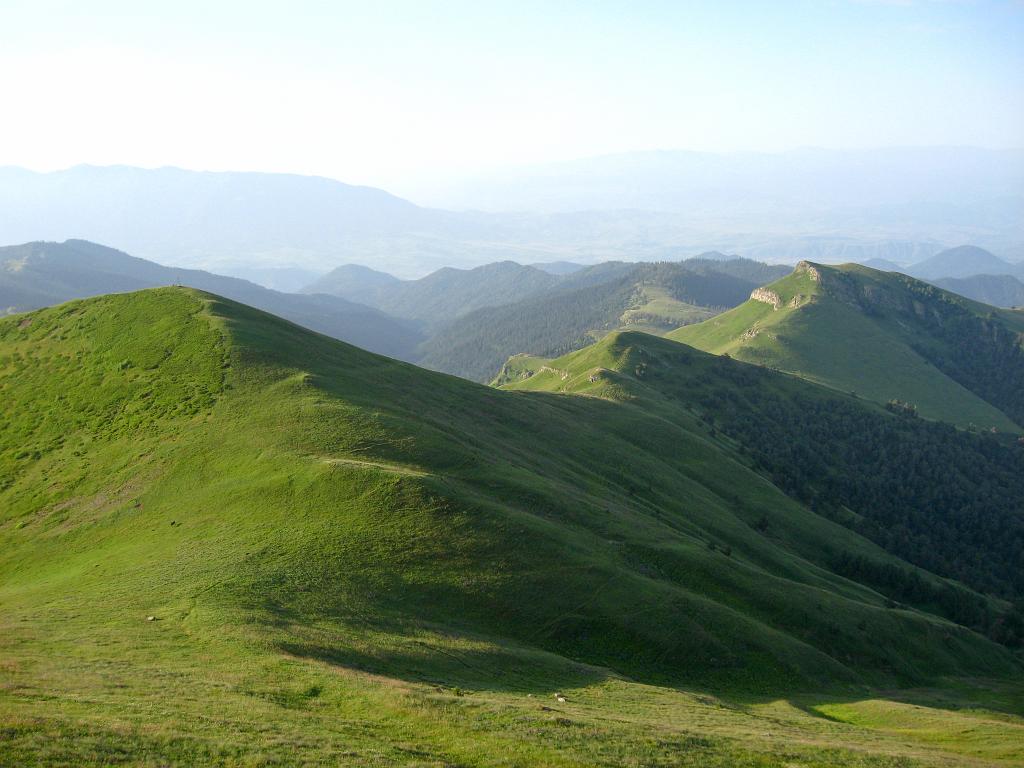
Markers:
<point>941,498</point>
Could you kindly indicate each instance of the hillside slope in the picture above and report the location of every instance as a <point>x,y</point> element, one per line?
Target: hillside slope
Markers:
<point>884,336</point>
<point>936,496</point>
<point>996,290</point>
<point>654,297</point>
<point>333,545</point>
<point>35,275</point>
<point>441,296</point>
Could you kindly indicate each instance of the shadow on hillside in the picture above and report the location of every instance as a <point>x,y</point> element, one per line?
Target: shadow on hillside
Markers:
<point>974,695</point>
<point>544,675</point>
<point>485,665</point>
<point>492,669</point>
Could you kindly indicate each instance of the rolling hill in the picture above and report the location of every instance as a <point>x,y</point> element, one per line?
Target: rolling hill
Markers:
<point>912,485</point>
<point>38,274</point>
<point>997,290</point>
<point>883,335</point>
<point>416,320</point>
<point>225,539</point>
<point>441,296</point>
<point>655,297</point>
<point>960,262</point>
<point>350,280</point>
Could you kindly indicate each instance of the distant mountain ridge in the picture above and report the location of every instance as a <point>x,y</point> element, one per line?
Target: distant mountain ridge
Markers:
<point>997,290</point>
<point>351,280</point>
<point>653,297</point>
<point>441,296</point>
<point>170,212</point>
<point>465,322</point>
<point>841,250</point>
<point>275,227</point>
<point>38,274</point>
<point>967,270</point>
<point>963,261</point>
<point>418,320</point>
<point>903,197</point>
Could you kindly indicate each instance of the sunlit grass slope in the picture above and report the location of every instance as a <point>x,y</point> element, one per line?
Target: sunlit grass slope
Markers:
<point>943,498</point>
<point>348,559</point>
<point>882,335</point>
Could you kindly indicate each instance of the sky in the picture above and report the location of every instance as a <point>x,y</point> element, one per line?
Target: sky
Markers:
<point>390,92</point>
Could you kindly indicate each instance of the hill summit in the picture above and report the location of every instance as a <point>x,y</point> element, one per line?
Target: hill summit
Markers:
<point>963,261</point>
<point>883,335</point>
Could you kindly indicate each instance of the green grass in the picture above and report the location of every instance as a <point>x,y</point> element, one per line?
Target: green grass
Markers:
<point>583,307</point>
<point>653,311</point>
<point>827,336</point>
<point>656,311</point>
<point>947,500</point>
<point>350,560</point>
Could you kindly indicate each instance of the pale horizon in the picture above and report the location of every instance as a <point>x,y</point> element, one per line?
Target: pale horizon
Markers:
<point>399,93</point>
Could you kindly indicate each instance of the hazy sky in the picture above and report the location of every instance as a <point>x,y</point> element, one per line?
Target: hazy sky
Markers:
<point>381,91</point>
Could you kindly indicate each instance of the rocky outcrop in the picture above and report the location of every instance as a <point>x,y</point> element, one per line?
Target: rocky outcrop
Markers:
<point>767,296</point>
<point>811,270</point>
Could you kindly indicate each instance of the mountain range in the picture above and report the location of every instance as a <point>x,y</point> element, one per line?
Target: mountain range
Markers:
<point>885,336</point>
<point>967,270</point>
<point>963,261</point>
<point>477,318</point>
<point>466,322</point>
<point>226,539</point>
<point>997,290</point>
<point>905,200</point>
<point>38,274</point>
<point>442,320</point>
<point>440,296</point>
<point>279,229</point>
<point>584,306</point>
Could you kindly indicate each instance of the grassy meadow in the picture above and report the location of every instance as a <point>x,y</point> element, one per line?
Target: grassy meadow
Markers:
<point>227,540</point>
<point>844,327</point>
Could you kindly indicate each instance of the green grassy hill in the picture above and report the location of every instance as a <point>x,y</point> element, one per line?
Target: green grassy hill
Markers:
<point>40,274</point>
<point>651,297</point>
<point>225,539</point>
<point>936,496</point>
<point>884,336</point>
